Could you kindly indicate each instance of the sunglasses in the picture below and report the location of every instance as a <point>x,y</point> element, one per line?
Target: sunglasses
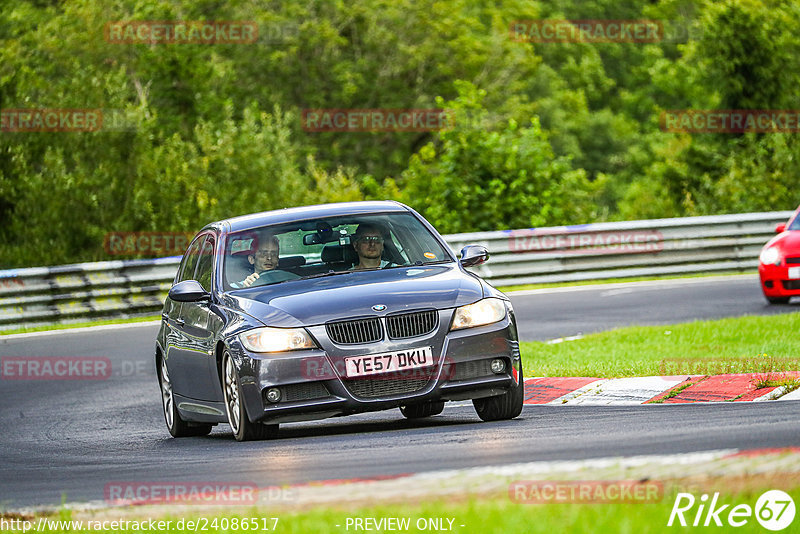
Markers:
<point>371,239</point>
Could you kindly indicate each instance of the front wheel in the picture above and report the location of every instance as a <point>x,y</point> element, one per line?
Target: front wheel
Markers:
<point>506,406</point>
<point>177,427</point>
<point>418,411</point>
<point>243,429</point>
<point>778,300</point>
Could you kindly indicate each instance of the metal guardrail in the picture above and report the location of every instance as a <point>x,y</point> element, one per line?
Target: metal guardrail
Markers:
<point>117,289</point>
<point>598,251</point>
<point>84,291</point>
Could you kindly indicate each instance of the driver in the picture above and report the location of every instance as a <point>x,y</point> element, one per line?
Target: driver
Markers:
<point>265,263</point>
<point>368,243</point>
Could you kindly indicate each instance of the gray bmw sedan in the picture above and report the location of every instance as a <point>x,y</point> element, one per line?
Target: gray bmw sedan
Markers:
<point>321,311</point>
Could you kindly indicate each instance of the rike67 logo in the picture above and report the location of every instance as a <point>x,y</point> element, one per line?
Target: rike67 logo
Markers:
<point>774,510</point>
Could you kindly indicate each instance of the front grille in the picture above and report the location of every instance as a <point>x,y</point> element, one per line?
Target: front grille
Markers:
<point>304,391</point>
<point>355,331</point>
<point>473,369</point>
<point>793,261</point>
<point>791,284</point>
<point>413,324</point>
<point>371,388</point>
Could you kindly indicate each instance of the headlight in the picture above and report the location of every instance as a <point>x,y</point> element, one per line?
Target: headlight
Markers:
<point>770,255</point>
<point>276,339</point>
<point>486,311</point>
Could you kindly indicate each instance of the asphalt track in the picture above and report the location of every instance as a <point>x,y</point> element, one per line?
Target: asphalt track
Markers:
<point>71,438</point>
<point>562,312</point>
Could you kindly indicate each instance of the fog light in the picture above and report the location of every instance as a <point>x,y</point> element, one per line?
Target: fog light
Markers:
<point>498,366</point>
<point>273,394</point>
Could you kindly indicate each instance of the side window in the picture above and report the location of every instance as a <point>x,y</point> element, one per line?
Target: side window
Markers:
<point>186,271</point>
<point>205,264</point>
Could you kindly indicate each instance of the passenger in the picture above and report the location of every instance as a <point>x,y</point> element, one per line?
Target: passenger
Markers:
<point>265,263</point>
<point>368,243</point>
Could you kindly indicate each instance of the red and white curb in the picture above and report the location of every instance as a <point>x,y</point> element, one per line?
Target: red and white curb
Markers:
<point>654,389</point>
<point>446,483</point>
<point>497,478</point>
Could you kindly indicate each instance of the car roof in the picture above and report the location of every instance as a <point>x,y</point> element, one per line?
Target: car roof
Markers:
<point>285,215</point>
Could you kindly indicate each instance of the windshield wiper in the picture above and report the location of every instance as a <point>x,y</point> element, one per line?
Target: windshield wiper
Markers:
<point>418,263</point>
<point>322,275</point>
<point>432,262</point>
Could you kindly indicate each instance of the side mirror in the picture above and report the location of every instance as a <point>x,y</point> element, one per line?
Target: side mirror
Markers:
<point>473,255</point>
<point>780,228</point>
<point>188,291</point>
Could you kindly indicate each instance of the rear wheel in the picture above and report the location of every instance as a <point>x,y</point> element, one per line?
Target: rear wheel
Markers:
<point>177,427</point>
<point>506,406</point>
<point>418,411</point>
<point>243,429</point>
<point>778,300</point>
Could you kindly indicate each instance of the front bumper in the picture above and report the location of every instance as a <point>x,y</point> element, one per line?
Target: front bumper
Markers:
<point>313,384</point>
<point>775,280</point>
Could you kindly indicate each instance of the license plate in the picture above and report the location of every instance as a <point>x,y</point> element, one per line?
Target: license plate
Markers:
<point>794,272</point>
<point>387,362</point>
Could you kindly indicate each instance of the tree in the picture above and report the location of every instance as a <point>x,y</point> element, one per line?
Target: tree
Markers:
<point>472,179</point>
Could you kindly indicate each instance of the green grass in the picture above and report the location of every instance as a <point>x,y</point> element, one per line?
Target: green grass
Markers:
<point>98,322</point>
<point>752,344</point>
<point>673,392</point>
<point>486,515</point>
<point>523,287</point>
<point>770,380</point>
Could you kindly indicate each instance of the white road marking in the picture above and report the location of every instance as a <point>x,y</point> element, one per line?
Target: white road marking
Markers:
<point>620,291</point>
<point>645,284</point>
<point>794,395</point>
<point>628,391</point>
<point>563,399</point>
<point>80,330</point>
<point>772,395</point>
<point>563,339</point>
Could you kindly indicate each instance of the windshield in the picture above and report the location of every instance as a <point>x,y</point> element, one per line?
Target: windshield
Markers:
<point>328,246</point>
<point>795,224</point>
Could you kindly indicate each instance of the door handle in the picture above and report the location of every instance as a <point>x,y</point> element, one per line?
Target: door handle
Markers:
<point>180,322</point>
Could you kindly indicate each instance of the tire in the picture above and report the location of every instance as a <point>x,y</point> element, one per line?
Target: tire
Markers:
<point>506,406</point>
<point>177,427</point>
<point>778,300</point>
<point>243,429</point>
<point>418,411</point>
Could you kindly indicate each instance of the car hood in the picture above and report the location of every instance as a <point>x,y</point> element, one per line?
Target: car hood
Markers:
<point>319,300</point>
<point>789,242</point>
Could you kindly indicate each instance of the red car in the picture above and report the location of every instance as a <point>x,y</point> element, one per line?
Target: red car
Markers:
<point>779,262</point>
